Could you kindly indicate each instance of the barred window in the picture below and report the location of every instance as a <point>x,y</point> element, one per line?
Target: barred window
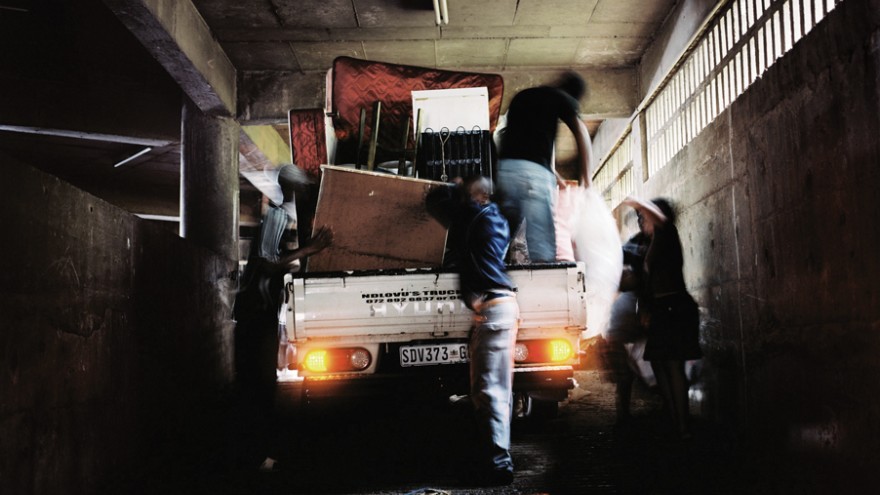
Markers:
<point>735,49</point>
<point>615,178</point>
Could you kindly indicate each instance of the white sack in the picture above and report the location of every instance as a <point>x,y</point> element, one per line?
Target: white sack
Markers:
<point>596,242</point>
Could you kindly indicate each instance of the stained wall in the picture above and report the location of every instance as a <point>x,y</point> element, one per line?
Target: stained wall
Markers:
<point>115,340</point>
<point>777,203</point>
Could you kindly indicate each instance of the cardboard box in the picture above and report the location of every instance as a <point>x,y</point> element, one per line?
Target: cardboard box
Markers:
<point>379,221</point>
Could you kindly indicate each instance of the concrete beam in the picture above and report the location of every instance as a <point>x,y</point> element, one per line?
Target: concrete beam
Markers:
<point>266,97</point>
<point>674,39</point>
<point>95,136</point>
<point>180,40</point>
<point>97,111</point>
<point>612,92</point>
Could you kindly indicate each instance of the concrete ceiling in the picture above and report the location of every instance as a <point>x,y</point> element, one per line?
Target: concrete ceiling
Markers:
<point>256,59</point>
<point>306,35</point>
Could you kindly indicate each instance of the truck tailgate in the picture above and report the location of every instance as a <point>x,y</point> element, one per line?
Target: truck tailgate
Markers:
<point>409,305</point>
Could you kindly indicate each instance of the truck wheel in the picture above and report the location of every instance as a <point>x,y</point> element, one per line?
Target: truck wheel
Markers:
<point>522,405</point>
<point>536,410</point>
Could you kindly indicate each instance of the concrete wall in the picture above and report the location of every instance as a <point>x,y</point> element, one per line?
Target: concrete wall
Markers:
<point>265,98</point>
<point>777,203</point>
<point>115,340</point>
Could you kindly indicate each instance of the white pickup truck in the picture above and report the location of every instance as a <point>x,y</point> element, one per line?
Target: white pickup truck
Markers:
<point>363,333</point>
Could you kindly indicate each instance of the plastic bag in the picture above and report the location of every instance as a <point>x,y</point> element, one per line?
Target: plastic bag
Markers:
<point>596,242</point>
<point>566,202</point>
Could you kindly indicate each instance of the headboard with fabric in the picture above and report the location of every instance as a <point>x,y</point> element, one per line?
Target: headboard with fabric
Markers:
<point>308,139</point>
<point>356,84</point>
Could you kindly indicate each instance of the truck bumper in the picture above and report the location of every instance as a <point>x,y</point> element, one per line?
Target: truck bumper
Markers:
<point>547,382</point>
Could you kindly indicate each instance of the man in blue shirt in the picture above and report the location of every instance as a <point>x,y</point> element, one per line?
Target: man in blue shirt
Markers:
<point>480,236</point>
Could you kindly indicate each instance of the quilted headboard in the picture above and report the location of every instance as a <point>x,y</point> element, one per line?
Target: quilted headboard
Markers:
<point>308,140</point>
<point>357,84</point>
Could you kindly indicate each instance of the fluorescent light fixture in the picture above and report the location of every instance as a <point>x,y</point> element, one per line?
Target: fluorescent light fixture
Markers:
<point>93,136</point>
<point>441,12</point>
<point>132,157</point>
<point>161,218</point>
<point>16,6</point>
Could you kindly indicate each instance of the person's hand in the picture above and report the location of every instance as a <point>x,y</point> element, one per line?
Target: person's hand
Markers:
<point>560,183</point>
<point>322,238</point>
<point>429,188</point>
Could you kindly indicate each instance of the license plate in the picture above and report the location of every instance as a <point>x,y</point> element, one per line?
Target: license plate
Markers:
<point>425,355</point>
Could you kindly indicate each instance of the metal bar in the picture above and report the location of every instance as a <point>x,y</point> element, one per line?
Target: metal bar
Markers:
<point>401,165</point>
<point>374,136</point>
<point>360,141</point>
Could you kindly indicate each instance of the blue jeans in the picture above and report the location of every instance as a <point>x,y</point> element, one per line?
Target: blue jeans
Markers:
<point>529,193</point>
<point>491,349</point>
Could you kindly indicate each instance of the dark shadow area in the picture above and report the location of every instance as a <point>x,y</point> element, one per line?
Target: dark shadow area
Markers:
<point>403,447</point>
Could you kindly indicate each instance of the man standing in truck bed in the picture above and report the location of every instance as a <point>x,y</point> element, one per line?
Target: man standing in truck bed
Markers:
<point>527,177</point>
<point>481,235</point>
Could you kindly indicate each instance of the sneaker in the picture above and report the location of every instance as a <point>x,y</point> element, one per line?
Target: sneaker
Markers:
<point>499,477</point>
<point>487,478</point>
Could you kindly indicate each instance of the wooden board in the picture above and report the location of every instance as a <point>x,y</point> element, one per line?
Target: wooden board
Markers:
<point>379,221</point>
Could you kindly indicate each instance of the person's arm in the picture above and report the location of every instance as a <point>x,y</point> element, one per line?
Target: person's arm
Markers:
<point>322,238</point>
<point>584,147</point>
<point>560,180</point>
<point>646,207</point>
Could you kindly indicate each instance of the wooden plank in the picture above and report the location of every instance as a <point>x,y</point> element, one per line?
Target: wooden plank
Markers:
<point>379,221</point>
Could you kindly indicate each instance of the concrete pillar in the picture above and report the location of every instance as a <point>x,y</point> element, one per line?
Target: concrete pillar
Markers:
<point>209,181</point>
<point>639,151</point>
